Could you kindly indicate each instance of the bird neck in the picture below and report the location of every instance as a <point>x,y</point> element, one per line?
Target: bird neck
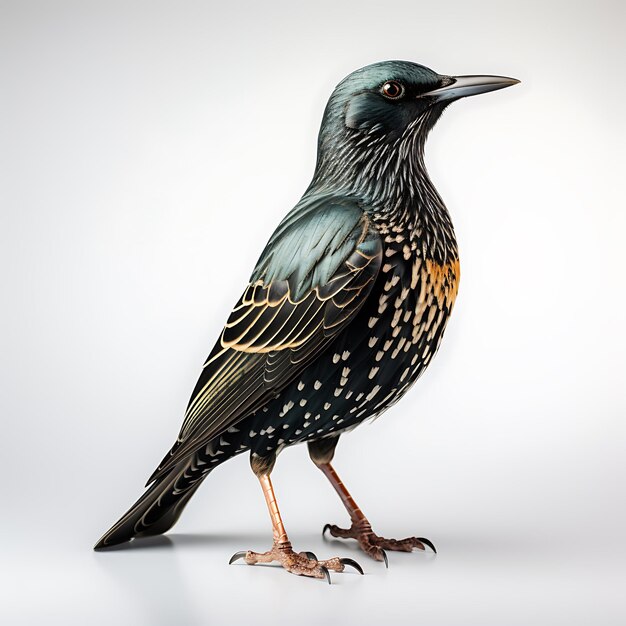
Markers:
<point>390,181</point>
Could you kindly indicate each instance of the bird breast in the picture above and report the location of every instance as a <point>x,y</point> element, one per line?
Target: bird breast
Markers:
<point>414,303</point>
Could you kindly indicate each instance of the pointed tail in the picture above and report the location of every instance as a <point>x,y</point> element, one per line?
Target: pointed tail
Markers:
<point>158,509</point>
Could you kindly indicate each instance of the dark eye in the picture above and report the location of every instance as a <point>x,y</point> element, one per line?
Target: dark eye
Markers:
<point>392,89</point>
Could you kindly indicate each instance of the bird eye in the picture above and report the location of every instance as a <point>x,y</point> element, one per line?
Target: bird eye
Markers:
<point>392,89</point>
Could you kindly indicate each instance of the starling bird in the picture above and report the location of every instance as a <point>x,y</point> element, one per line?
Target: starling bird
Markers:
<point>345,309</point>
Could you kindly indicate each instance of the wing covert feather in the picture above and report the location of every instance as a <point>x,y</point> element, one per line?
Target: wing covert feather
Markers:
<point>299,298</point>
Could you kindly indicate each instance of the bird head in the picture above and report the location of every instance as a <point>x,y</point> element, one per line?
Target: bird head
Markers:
<point>386,110</point>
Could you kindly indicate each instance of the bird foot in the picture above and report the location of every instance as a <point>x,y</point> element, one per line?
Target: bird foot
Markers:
<point>375,546</point>
<point>301,563</point>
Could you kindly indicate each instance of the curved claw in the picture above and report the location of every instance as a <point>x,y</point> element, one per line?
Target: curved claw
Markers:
<point>326,573</point>
<point>326,527</point>
<point>352,563</point>
<point>311,555</point>
<point>385,558</point>
<point>237,555</point>
<point>428,543</point>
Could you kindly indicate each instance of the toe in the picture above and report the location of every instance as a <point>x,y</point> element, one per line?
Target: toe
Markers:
<point>374,551</point>
<point>333,564</point>
<point>341,533</point>
<point>352,563</point>
<point>301,565</point>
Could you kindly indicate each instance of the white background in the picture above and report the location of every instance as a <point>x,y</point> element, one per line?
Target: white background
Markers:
<point>148,149</point>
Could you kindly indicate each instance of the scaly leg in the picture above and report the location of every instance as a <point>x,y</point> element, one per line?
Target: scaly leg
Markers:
<point>301,563</point>
<point>321,453</point>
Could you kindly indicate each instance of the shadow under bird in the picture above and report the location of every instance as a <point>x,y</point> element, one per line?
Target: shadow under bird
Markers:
<point>345,309</point>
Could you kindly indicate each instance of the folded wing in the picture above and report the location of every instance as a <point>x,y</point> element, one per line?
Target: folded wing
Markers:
<point>313,277</point>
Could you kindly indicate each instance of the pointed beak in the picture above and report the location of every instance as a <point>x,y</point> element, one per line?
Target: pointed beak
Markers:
<point>461,86</point>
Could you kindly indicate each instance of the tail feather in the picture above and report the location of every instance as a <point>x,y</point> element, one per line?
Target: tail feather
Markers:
<point>157,510</point>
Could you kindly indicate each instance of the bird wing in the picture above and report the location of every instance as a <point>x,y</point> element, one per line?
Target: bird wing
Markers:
<point>313,276</point>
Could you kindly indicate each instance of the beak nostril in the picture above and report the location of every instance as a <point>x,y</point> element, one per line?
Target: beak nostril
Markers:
<point>447,80</point>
